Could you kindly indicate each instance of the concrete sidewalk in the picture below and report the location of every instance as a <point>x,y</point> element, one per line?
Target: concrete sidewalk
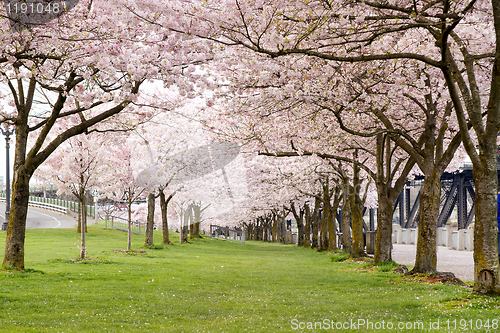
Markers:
<point>460,263</point>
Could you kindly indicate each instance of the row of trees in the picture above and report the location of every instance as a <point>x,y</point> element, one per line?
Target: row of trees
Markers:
<point>418,76</point>
<point>312,195</point>
<point>151,163</point>
<point>376,89</point>
<point>400,83</point>
<point>80,73</point>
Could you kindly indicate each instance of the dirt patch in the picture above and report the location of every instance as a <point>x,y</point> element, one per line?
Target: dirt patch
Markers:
<point>446,278</point>
<point>366,260</point>
<point>124,251</point>
<point>366,269</point>
<point>86,259</point>
<point>433,278</point>
<point>401,269</point>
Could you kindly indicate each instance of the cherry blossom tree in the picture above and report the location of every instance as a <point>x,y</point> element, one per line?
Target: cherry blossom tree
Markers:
<point>121,180</point>
<point>84,68</point>
<point>74,168</point>
<point>435,35</point>
<point>458,38</point>
<point>270,115</point>
<point>165,143</point>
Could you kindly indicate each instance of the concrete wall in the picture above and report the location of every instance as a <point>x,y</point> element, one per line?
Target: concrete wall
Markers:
<point>451,237</point>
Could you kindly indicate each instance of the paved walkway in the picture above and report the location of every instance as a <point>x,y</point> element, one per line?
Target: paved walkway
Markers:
<point>41,218</point>
<point>459,263</point>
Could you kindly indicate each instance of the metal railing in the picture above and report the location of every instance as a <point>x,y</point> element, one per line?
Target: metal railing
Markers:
<point>57,205</point>
<point>122,224</point>
<point>47,206</point>
<point>226,233</point>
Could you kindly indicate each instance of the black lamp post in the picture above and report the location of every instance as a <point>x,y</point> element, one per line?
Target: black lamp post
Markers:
<point>7,133</point>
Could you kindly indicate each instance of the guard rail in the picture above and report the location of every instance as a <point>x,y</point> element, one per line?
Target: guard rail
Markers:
<point>47,206</point>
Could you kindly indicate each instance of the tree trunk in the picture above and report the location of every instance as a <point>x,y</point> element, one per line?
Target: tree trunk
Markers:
<point>150,220</point>
<point>197,229</point>
<point>486,265</point>
<point>129,220</point>
<point>323,229</point>
<point>197,220</point>
<point>299,217</point>
<point>80,214</point>
<point>262,228</point>
<point>356,205</point>
<point>275,227</point>
<point>256,229</point>
<point>191,221</point>
<point>329,212</point>
<point>185,233</point>
<point>315,223</point>
<point>300,229</point>
<point>267,237</point>
<point>346,227</point>
<point>430,198</point>
<point>83,223</point>
<point>307,233</point>
<point>383,242</point>
<point>82,211</point>
<point>357,249</point>
<point>185,227</point>
<point>327,223</point>
<point>14,244</point>
<point>386,196</point>
<point>164,218</point>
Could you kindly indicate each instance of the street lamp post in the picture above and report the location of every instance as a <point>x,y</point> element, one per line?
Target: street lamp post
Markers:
<point>7,133</point>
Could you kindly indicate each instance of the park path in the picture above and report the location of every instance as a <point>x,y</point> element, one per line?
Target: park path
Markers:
<point>41,218</point>
<point>460,263</point>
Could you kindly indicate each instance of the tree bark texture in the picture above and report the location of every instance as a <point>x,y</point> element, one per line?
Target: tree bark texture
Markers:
<point>275,227</point>
<point>326,220</point>
<point>129,220</point>
<point>486,264</point>
<point>299,217</point>
<point>150,220</point>
<point>357,249</point>
<point>387,195</point>
<point>307,233</point>
<point>383,242</point>
<point>332,234</point>
<point>356,204</point>
<point>430,198</point>
<point>267,237</point>
<point>281,218</point>
<point>164,218</point>
<point>83,223</point>
<point>315,223</point>
<point>196,220</point>
<point>14,244</point>
<point>346,227</point>
<point>80,214</point>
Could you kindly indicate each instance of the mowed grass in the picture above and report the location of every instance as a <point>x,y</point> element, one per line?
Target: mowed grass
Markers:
<point>217,286</point>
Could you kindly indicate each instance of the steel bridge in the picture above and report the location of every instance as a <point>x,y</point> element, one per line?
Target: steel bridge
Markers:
<point>457,191</point>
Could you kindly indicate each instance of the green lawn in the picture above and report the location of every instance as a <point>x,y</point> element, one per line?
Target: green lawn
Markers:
<point>219,286</point>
